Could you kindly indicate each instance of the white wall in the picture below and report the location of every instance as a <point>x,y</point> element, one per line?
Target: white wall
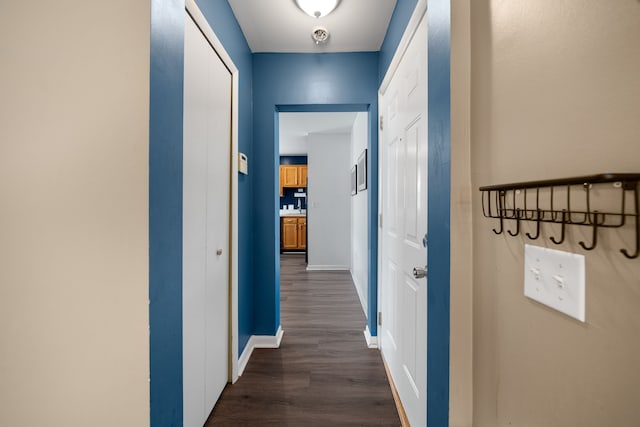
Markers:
<point>329,204</point>
<point>74,281</point>
<point>359,202</point>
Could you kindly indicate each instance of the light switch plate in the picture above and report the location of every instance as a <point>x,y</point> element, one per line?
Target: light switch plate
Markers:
<point>555,279</point>
<point>243,164</point>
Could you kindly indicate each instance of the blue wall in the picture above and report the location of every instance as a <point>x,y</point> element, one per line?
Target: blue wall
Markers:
<point>438,231</point>
<point>298,82</point>
<point>165,195</point>
<point>293,160</point>
<point>165,211</point>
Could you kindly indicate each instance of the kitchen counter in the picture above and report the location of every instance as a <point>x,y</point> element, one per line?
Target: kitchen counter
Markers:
<point>293,213</point>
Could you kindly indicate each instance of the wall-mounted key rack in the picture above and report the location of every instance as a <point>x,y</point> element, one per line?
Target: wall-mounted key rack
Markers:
<point>597,201</point>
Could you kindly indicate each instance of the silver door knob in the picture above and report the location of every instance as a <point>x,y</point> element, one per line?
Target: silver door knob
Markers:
<point>420,273</point>
<point>219,252</point>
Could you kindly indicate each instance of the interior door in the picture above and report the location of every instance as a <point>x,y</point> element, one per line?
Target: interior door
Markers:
<point>403,203</point>
<point>206,223</point>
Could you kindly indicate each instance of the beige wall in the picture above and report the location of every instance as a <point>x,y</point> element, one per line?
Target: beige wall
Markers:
<point>461,374</point>
<point>74,112</point>
<point>555,92</point>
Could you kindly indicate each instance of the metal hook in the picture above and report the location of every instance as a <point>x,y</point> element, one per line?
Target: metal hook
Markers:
<point>554,214</point>
<point>587,188</point>
<point>501,227</point>
<point>637,252</point>
<point>516,214</point>
<point>595,234</point>
<point>500,213</point>
<point>539,217</point>
<point>562,232</point>
<point>517,224</point>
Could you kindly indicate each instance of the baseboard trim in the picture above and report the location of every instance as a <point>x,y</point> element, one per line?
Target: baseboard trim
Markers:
<point>258,341</point>
<point>372,342</point>
<point>404,420</point>
<point>327,267</point>
<point>363,301</point>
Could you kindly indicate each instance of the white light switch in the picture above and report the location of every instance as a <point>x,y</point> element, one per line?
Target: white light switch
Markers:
<point>555,279</point>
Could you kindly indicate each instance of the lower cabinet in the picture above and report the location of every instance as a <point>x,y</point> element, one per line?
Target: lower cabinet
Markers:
<point>302,233</point>
<point>293,234</point>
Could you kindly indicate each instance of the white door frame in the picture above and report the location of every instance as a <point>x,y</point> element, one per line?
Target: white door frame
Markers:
<point>195,13</point>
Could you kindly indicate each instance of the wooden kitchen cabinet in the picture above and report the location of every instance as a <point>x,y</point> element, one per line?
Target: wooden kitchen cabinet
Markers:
<point>302,233</point>
<point>289,233</point>
<point>294,233</point>
<point>302,175</point>
<point>293,176</point>
<point>289,174</point>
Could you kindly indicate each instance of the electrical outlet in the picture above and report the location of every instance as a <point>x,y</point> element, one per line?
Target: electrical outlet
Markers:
<point>555,279</point>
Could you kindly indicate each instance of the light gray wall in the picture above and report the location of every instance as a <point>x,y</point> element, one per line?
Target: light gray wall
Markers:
<point>359,214</point>
<point>329,202</point>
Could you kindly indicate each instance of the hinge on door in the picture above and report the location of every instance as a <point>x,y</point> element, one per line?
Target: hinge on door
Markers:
<point>381,123</point>
<point>380,220</point>
<point>379,318</point>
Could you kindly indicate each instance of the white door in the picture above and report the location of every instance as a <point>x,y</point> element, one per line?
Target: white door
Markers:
<point>403,204</point>
<point>206,218</point>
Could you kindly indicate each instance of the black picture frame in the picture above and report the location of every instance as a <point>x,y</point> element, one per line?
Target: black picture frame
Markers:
<point>354,179</point>
<point>362,171</point>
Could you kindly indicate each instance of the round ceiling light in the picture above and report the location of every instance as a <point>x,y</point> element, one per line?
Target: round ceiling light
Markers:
<point>320,35</point>
<point>317,8</point>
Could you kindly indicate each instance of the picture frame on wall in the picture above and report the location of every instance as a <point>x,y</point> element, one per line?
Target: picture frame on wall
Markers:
<point>362,171</point>
<point>354,178</point>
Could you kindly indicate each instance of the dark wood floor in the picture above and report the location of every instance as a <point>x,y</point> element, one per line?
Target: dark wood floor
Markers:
<point>323,374</point>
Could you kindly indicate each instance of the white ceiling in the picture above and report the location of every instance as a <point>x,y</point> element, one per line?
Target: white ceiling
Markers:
<point>279,26</point>
<point>295,127</point>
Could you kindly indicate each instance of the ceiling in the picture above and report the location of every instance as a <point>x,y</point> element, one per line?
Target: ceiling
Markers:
<point>279,26</point>
<point>295,127</point>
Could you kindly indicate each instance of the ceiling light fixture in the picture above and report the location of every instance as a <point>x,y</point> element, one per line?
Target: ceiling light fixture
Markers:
<point>320,35</point>
<point>317,8</point>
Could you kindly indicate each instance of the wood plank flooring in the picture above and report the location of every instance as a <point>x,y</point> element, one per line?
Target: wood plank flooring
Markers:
<point>323,374</point>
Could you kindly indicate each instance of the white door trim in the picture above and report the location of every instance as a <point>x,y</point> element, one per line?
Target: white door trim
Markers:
<point>412,27</point>
<point>195,13</point>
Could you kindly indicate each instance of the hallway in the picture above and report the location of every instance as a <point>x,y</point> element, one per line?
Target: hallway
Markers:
<point>323,374</point>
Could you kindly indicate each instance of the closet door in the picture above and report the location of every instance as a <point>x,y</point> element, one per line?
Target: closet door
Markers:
<point>206,220</point>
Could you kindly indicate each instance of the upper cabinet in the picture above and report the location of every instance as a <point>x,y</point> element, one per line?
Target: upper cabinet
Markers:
<point>302,176</point>
<point>289,175</point>
<point>293,176</point>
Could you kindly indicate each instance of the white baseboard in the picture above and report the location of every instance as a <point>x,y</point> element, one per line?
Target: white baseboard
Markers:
<point>372,342</point>
<point>363,301</point>
<point>327,267</point>
<point>258,341</point>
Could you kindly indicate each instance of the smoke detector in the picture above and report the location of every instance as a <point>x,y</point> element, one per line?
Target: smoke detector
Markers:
<point>320,35</point>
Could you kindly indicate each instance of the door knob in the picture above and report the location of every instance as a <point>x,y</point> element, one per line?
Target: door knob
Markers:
<point>420,273</point>
<point>219,252</point>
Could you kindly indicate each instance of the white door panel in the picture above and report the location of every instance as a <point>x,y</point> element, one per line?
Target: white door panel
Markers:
<point>206,213</point>
<point>403,200</point>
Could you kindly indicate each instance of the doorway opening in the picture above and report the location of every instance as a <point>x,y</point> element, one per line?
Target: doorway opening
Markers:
<point>321,215</point>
